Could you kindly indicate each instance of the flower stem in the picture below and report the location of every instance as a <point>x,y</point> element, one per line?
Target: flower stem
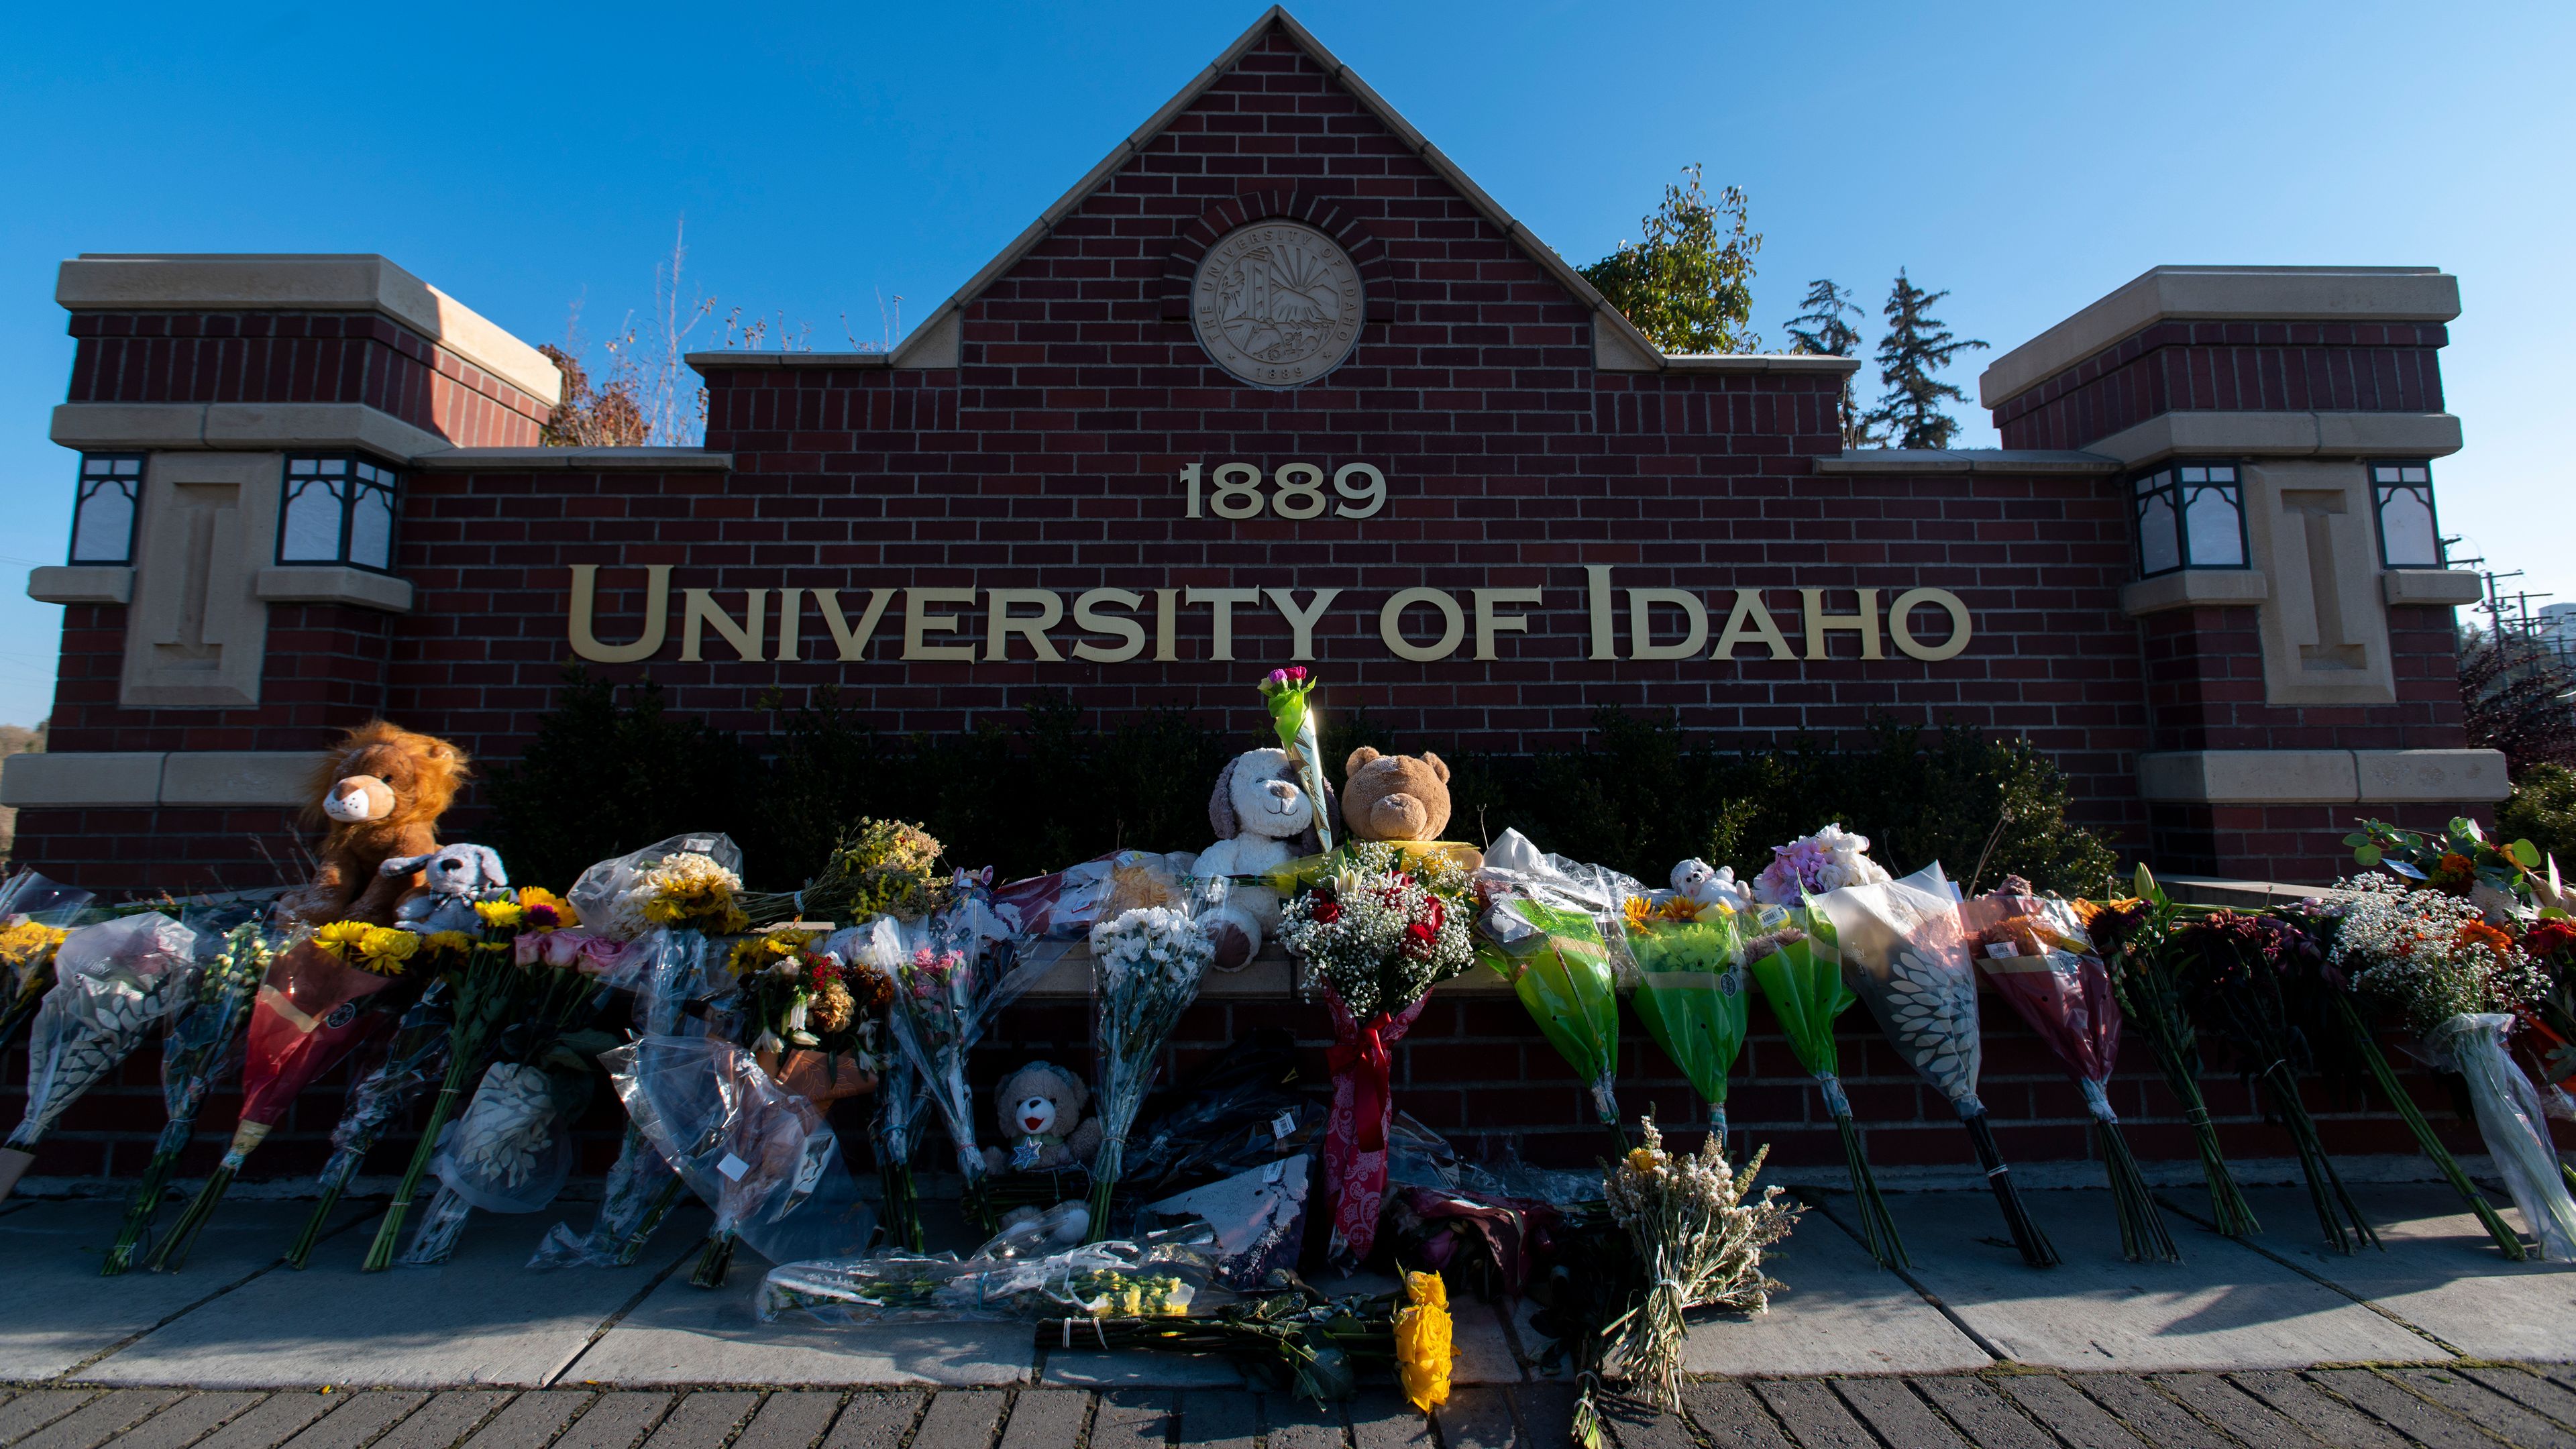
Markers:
<point>2506,1240</point>
<point>380,1253</point>
<point>172,1255</point>
<point>714,1260</point>
<point>145,1204</point>
<point>1877,1224</point>
<point>633,1245</point>
<point>2036,1249</point>
<point>2326,1192</point>
<point>2143,1234</point>
<point>1105,1167</point>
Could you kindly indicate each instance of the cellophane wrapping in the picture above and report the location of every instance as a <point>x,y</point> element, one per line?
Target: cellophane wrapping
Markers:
<point>1167,1274</point>
<point>114,982</point>
<point>2516,1127</point>
<point>507,1153</point>
<point>1146,969</point>
<point>672,969</point>
<point>1560,969</point>
<point>610,895</point>
<point>1694,998</point>
<point>953,972</point>
<point>761,1156</point>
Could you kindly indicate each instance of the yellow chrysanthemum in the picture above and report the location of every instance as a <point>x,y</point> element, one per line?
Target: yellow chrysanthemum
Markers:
<point>383,950</point>
<point>499,913</point>
<point>449,941</point>
<point>27,940</point>
<point>1423,1353</point>
<point>546,909</point>
<point>341,937</point>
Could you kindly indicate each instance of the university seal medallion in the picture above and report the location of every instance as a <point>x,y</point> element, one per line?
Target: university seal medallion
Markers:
<point>1277,303</point>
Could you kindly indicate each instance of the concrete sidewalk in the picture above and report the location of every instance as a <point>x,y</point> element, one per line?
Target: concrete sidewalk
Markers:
<point>1950,1344</point>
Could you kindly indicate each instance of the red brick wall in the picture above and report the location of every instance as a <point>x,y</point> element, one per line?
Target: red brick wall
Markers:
<point>2230,366</point>
<point>253,357</point>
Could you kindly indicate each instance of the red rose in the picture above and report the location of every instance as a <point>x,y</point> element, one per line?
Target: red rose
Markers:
<point>1432,913</point>
<point>1325,911</point>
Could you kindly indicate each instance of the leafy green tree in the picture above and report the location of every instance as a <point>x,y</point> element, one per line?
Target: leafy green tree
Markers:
<point>1916,346</point>
<point>1688,285</point>
<point>1820,331</point>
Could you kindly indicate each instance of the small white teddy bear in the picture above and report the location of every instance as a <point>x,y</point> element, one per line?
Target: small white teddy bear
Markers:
<point>1697,882</point>
<point>1263,819</point>
<point>453,878</point>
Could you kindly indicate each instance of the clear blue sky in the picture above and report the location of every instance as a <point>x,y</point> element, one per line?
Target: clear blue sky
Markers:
<point>2028,157</point>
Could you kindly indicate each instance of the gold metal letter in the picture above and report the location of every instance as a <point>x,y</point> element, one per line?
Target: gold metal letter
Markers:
<point>1087,615</point>
<point>1818,621</point>
<point>1641,624</point>
<point>918,621</point>
<point>1597,585</point>
<point>851,645</point>
<point>1900,613</point>
<point>1453,626</point>
<point>657,616</point>
<point>998,623</point>
<point>1750,621</point>
<point>1489,623</point>
<point>699,607</point>
<point>1221,641</point>
<point>1301,623</point>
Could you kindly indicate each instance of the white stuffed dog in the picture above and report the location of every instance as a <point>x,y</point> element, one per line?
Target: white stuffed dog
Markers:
<point>453,878</point>
<point>1263,820</point>
<point>1696,882</point>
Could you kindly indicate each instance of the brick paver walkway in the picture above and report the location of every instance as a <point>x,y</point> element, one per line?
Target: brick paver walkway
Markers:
<point>2454,1407</point>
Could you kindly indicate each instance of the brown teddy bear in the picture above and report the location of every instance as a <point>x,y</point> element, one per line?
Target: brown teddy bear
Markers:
<point>1395,797</point>
<point>379,791</point>
<point>1040,1111</point>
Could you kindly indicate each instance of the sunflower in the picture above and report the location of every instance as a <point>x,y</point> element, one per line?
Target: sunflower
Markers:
<point>1422,1348</point>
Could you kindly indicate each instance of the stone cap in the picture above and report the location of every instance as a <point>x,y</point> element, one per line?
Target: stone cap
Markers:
<point>2054,462</point>
<point>2250,294</point>
<point>298,282</point>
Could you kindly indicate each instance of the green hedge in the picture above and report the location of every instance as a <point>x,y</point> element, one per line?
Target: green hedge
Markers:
<point>604,775</point>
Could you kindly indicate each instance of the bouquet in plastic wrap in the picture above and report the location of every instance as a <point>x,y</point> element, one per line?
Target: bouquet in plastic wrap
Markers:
<point>1791,954</point>
<point>2136,939</point>
<point>2248,979</point>
<point>113,983</point>
<point>690,881</point>
<point>1165,1274</point>
<point>509,1151</point>
<point>2038,957</point>
<point>1692,995</point>
<point>513,996</point>
<point>1146,965</point>
<point>1373,939</point>
<point>894,1135</point>
<point>35,915</point>
<point>201,1045</point>
<point>669,973</point>
<point>1064,905</point>
<point>953,973</point>
<point>2427,963</point>
<point>1906,954</point>
<point>1292,716</point>
<point>1559,967</point>
<point>415,1059</point>
<point>760,1155</point>
<point>319,1003</point>
<point>810,1010</point>
<point>1811,865</point>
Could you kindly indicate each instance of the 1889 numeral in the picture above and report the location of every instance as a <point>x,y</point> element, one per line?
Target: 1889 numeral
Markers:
<point>1233,491</point>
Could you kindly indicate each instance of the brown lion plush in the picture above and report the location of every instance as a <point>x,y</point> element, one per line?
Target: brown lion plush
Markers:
<point>379,793</point>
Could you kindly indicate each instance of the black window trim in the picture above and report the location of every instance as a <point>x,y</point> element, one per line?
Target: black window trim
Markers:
<point>2432,505</point>
<point>133,517</point>
<point>348,513</point>
<point>2171,471</point>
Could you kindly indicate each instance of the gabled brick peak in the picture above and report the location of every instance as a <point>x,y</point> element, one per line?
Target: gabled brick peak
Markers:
<point>935,342</point>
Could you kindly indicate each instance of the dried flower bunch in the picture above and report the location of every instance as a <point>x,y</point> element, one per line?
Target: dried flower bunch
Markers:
<point>2422,957</point>
<point>1379,935</point>
<point>1698,1240</point>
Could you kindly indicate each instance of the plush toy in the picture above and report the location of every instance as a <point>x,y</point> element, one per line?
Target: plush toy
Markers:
<point>453,878</point>
<point>1395,797</point>
<point>379,791</point>
<point>1695,881</point>
<point>1263,820</point>
<point>1040,1111</point>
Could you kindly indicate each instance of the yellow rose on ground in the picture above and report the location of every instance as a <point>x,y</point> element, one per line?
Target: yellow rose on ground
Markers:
<point>1423,1352</point>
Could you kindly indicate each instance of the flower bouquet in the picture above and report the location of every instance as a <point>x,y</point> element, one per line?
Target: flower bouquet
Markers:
<point>1813,864</point>
<point>2136,940</point>
<point>1169,1274</point>
<point>752,1150</point>
<point>1792,957</point>
<point>1692,995</point>
<point>2461,861</point>
<point>2426,962</point>
<point>2242,976</point>
<point>668,972</point>
<point>507,1152</point>
<point>1296,1339</point>
<point>1560,969</point>
<point>1699,1242</point>
<point>415,1058</point>
<point>894,1134</point>
<point>811,1014</point>
<point>1292,714</point>
<point>2039,959</point>
<point>1371,941</point>
<point>952,973</point>
<point>319,1002</point>
<point>200,1046</point>
<point>1146,969</point>
<point>1905,953</point>
<point>113,982</point>
<point>499,988</point>
<point>34,916</point>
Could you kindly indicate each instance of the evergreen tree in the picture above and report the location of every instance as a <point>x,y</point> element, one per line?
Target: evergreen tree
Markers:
<point>1820,331</point>
<point>1689,284</point>
<point>1917,345</point>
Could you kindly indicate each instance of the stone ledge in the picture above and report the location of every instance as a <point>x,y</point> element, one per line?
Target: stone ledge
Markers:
<point>2194,589</point>
<point>305,584</point>
<point>2283,435</point>
<point>81,584</point>
<point>576,460</point>
<point>127,780</point>
<point>1739,362</point>
<point>2439,588</point>
<point>355,281</point>
<point>2321,777</point>
<point>2047,462</point>
<point>2248,294</point>
<point>240,427</point>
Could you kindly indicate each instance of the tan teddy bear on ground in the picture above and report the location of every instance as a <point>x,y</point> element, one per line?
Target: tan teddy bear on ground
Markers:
<point>1040,1109</point>
<point>1395,797</point>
